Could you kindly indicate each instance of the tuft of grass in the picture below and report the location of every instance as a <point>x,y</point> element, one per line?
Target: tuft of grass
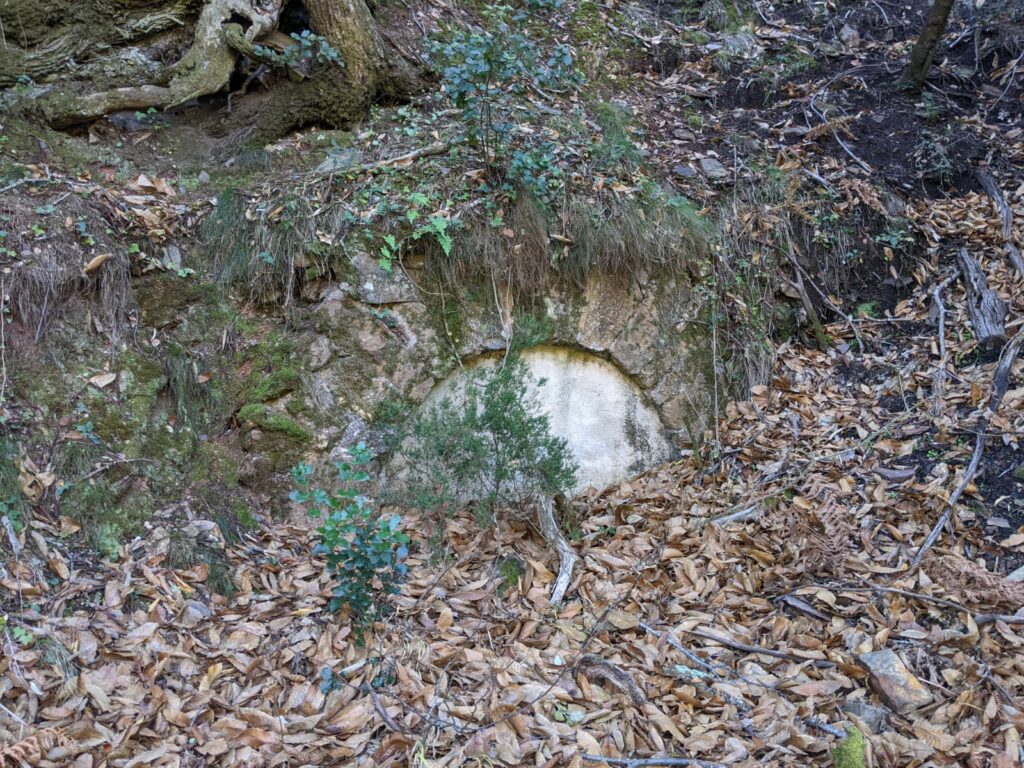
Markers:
<point>268,255</point>
<point>616,146</point>
<point>219,579</point>
<point>608,234</point>
<point>12,502</point>
<point>183,552</point>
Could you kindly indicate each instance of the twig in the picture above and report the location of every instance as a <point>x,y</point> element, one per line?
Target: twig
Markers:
<point>1000,381</point>
<point>637,762</point>
<point>939,381</point>
<point>828,728</point>
<point>834,307</point>
<point>732,517</point>
<point>736,645</point>
<point>812,314</point>
<point>990,618</point>
<point>436,148</point>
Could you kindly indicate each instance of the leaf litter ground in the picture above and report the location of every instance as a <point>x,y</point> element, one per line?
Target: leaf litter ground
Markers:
<point>734,643</point>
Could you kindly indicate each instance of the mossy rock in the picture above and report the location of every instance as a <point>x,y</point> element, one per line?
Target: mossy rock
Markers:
<point>282,440</point>
<point>164,299</point>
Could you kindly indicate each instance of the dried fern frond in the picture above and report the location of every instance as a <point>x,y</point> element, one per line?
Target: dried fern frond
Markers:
<point>35,748</point>
<point>973,583</point>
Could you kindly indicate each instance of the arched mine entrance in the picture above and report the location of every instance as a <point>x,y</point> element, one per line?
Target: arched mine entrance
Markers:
<point>611,429</point>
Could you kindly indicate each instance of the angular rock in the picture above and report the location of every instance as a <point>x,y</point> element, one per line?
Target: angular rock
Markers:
<point>712,168</point>
<point>895,685</point>
<point>377,286</point>
<point>875,718</point>
<point>319,353</point>
<point>193,613</point>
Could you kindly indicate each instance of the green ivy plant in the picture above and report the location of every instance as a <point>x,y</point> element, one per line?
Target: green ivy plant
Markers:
<point>308,51</point>
<point>483,71</point>
<point>365,552</point>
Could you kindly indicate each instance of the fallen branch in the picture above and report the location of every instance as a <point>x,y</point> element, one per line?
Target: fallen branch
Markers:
<point>812,313</point>
<point>566,556</point>
<point>1000,381</point>
<point>436,148</point>
<point>738,646</point>
<point>941,374</point>
<point>637,762</point>
<point>987,310</point>
<point>992,189</point>
<point>990,618</point>
<point>592,665</point>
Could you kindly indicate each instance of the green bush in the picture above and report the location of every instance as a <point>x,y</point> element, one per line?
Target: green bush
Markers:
<point>488,444</point>
<point>364,552</point>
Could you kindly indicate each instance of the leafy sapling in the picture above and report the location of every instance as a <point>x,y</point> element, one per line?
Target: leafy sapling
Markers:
<point>365,552</point>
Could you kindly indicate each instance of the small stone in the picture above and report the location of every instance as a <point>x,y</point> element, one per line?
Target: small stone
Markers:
<point>684,171</point>
<point>712,168</point>
<point>319,353</point>
<point>256,435</point>
<point>849,36</point>
<point>339,161</point>
<point>875,718</point>
<point>1018,473</point>
<point>1017,575</point>
<point>193,613</point>
<point>203,177</point>
<point>893,682</point>
<point>684,134</point>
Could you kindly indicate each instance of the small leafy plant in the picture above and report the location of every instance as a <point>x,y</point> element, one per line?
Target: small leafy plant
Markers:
<point>364,551</point>
<point>308,50</point>
<point>484,71</point>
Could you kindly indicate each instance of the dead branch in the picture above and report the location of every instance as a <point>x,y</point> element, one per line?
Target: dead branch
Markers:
<point>637,762</point>
<point>738,646</point>
<point>986,309</point>
<point>990,618</point>
<point>812,314</point>
<point>1000,381</point>
<point>992,189</point>
<point>941,374</point>
<point>437,148</point>
<point>566,556</point>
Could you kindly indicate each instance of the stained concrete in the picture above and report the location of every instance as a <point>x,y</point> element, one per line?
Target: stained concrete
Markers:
<point>612,431</point>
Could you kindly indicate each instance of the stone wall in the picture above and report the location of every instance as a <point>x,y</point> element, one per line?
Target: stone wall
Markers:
<point>381,340</point>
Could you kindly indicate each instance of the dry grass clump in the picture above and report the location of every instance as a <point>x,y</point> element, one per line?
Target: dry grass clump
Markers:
<point>533,248</point>
<point>59,252</point>
<point>269,250</point>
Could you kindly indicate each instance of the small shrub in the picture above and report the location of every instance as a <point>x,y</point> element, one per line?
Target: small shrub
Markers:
<point>483,71</point>
<point>364,552</point>
<point>489,444</point>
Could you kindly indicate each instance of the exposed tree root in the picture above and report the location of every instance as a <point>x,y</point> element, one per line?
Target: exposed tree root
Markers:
<point>204,69</point>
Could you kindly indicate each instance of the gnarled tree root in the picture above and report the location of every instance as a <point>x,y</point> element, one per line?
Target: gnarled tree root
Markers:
<point>204,69</point>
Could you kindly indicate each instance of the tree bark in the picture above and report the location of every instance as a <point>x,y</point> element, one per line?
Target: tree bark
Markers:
<point>205,68</point>
<point>334,95</point>
<point>986,309</point>
<point>924,49</point>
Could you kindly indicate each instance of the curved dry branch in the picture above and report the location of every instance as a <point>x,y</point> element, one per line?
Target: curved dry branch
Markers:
<point>566,556</point>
